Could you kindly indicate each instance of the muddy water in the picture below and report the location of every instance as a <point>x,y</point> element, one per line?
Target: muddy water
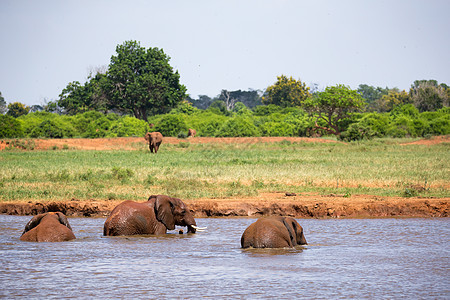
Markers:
<point>370,258</point>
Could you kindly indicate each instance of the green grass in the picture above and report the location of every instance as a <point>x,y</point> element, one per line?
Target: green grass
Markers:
<point>380,167</point>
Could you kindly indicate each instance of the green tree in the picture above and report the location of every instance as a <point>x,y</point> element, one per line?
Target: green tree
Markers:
<point>372,94</point>
<point>142,82</point>
<point>334,105</point>
<point>77,98</point>
<point>2,104</point>
<point>427,95</point>
<point>17,109</point>
<point>392,99</point>
<point>286,92</point>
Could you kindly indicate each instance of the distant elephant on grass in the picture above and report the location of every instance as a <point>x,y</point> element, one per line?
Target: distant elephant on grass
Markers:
<point>154,140</point>
<point>48,227</point>
<point>192,132</point>
<point>273,232</point>
<point>159,214</point>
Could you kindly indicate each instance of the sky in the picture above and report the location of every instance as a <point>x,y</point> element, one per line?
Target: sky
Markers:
<point>225,44</point>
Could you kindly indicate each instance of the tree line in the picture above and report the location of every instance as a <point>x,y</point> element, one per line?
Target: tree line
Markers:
<point>139,83</point>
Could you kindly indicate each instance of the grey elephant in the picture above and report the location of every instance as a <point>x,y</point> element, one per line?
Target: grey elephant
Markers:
<point>154,139</point>
<point>159,214</point>
<point>48,227</point>
<point>273,232</point>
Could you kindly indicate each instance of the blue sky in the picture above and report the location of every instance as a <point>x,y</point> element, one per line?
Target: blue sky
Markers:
<point>229,44</point>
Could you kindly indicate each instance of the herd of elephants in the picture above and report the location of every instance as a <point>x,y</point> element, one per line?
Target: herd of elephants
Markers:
<point>159,214</point>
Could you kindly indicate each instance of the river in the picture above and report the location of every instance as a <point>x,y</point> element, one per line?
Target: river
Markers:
<point>345,258</point>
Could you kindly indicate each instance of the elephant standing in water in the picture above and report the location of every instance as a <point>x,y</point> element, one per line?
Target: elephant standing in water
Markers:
<point>154,140</point>
<point>159,214</point>
<point>48,227</point>
<point>273,232</point>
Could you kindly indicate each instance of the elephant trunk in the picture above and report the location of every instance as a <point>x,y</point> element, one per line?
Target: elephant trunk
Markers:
<point>191,229</point>
<point>302,240</point>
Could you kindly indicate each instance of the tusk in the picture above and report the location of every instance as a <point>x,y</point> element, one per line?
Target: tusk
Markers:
<point>199,228</point>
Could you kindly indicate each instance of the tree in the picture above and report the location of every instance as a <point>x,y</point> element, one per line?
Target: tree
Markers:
<point>77,98</point>
<point>427,95</point>
<point>372,94</point>
<point>2,104</point>
<point>17,109</point>
<point>141,81</point>
<point>286,92</point>
<point>333,105</point>
<point>392,99</point>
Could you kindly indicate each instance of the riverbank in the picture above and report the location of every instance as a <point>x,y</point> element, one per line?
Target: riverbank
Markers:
<point>298,206</point>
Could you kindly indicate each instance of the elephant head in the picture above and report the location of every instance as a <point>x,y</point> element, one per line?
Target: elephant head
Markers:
<point>273,232</point>
<point>159,214</point>
<point>48,227</point>
<point>191,132</point>
<point>154,139</point>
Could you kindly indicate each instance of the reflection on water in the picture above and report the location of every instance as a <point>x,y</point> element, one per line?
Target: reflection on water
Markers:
<point>374,258</point>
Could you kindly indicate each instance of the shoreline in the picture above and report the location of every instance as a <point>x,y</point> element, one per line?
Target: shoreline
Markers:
<point>268,204</point>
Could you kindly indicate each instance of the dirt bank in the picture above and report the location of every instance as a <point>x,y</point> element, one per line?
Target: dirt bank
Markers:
<point>133,143</point>
<point>299,206</point>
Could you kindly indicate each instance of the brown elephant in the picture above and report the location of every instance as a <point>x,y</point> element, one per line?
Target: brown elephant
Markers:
<point>273,232</point>
<point>154,140</point>
<point>159,214</point>
<point>191,132</point>
<point>48,227</point>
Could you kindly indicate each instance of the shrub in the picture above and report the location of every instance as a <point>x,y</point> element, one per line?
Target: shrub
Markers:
<point>10,127</point>
<point>128,126</point>
<point>265,110</point>
<point>357,131</point>
<point>237,127</point>
<point>98,128</point>
<point>48,129</point>
<point>171,125</point>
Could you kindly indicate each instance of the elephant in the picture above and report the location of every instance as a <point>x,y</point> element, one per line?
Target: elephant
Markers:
<point>273,232</point>
<point>191,132</point>
<point>159,214</point>
<point>48,227</point>
<point>154,140</point>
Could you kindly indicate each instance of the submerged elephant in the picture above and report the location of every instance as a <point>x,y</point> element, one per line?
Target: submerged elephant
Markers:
<point>154,140</point>
<point>273,232</point>
<point>48,227</point>
<point>159,214</point>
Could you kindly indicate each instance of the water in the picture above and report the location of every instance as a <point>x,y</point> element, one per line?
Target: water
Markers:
<point>368,258</point>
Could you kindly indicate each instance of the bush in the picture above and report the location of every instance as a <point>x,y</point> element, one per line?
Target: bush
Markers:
<point>357,131</point>
<point>237,127</point>
<point>440,126</point>
<point>98,129</point>
<point>129,126</point>
<point>10,127</point>
<point>52,129</point>
<point>171,125</point>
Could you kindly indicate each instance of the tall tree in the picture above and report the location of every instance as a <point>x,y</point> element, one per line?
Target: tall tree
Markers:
<point>333,105</point>
<point>2,104</point>
<point>142,82</point>
<point>428,95</point>
<point>17,109</point>
<point>286,92</point>
<point>372,94</point>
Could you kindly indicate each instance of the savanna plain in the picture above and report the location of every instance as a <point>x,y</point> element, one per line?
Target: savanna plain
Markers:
<point>301,177</point>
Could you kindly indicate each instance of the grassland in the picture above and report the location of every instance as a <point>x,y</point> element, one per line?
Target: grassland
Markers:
<point>186,170</point>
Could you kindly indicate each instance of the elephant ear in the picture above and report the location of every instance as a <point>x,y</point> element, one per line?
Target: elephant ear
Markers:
<point>292,229</point>
<point>164,211</point>
<point>63,220</point>
<point>33,223</point>
<point>147,136</point>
